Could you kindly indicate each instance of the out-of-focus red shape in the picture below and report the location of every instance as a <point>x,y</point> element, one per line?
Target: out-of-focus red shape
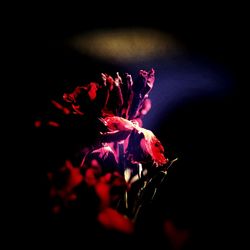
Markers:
<point>90,178</point>
<point>102,190</point>
<point>177,237</point>
<point>72,197</point>
<point>92,88</point>
<point>65,110</point>
<point>56,209</point>
<point>75,176</point>
<point>106,178</point>
<point>50,175</point>
<point>113,220</point>
<point>53,192</point>
<point>53,124</point>
<point>74,179</point>
<point>37,123</point>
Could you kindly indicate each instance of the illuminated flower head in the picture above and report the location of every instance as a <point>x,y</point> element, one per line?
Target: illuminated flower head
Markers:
<point>143,145</point>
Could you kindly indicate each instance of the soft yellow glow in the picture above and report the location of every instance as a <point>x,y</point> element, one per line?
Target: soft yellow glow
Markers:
<point>125,45</point>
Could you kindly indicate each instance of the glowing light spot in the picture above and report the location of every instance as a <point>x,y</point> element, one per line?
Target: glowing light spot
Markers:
<point>125,45</point>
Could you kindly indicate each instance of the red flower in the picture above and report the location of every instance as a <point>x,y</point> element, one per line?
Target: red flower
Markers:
<point>113,220</point>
